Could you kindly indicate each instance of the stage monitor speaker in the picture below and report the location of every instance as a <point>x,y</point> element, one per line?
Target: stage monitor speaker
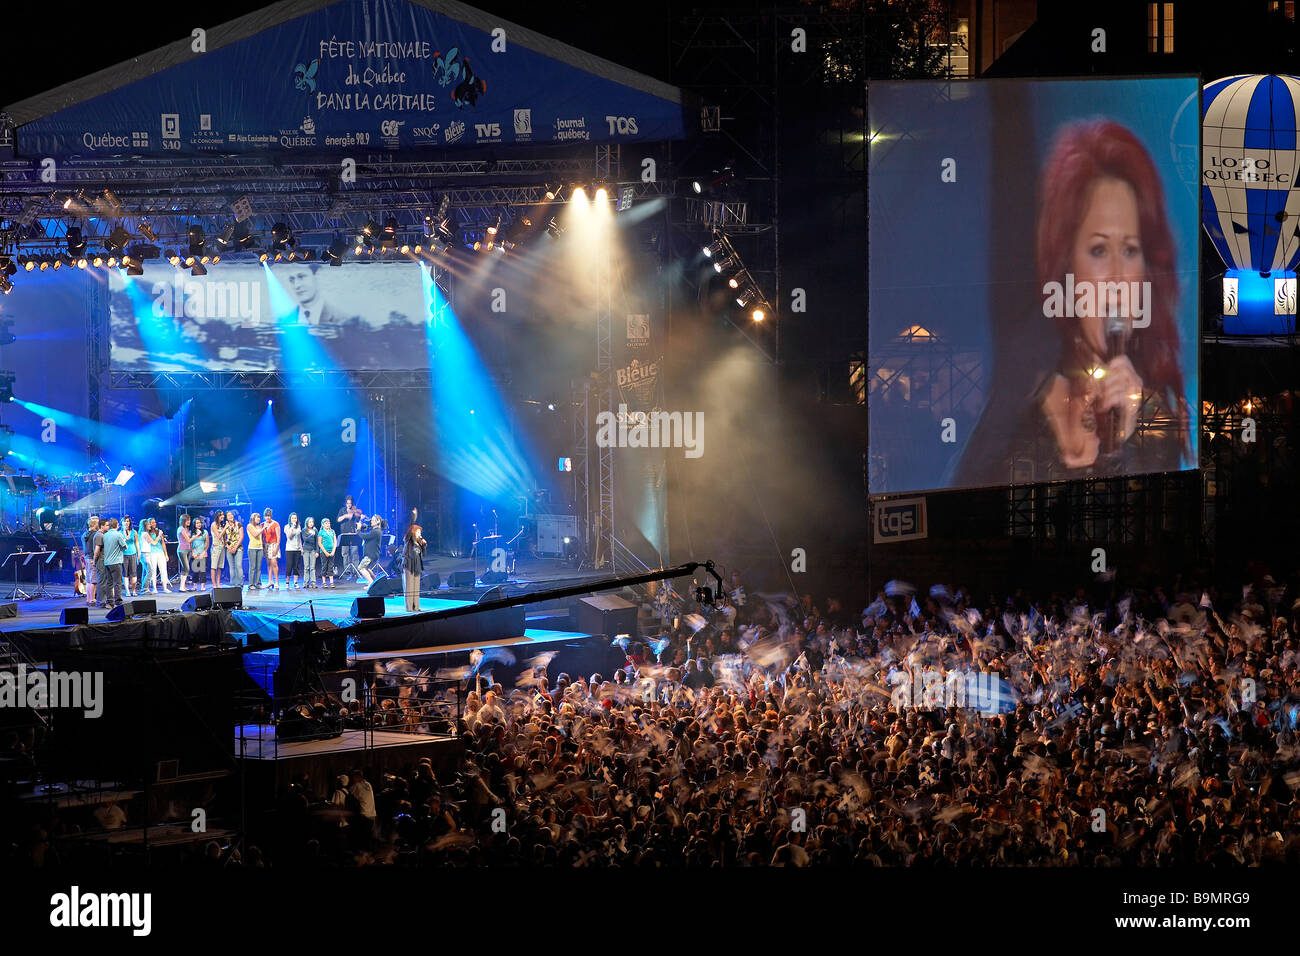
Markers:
<point>387,586</point>
<point>430,581</point>
<point>368,607</point>
<point>74,615</point>
<point>8,610</point>
<point>138,608</point>
<point>199,602</point>
<point>460,579</point>
<point>228,597</point>
<point>494,577</point>
<point>607,614</point>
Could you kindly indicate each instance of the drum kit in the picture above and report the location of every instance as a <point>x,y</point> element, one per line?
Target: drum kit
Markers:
<point>38,503</point>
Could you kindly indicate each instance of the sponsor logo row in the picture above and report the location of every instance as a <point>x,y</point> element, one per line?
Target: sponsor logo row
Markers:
<point>564,129</point>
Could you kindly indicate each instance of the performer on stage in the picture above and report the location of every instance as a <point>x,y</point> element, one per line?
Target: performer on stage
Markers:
<point>255,551</point>
<point>218,546</point>
<point>413,562</point>
<point>235,548</point>
<point>310,552</point>
<point>348,523</point>
<point>88,556</point>
<point>131,564</point>
<point>199,554</point>
<point>271,541</point>
<point>158,555</point>
<point>371,539</point>
<point>183,551</point>
<point>293,553</point>
<point>328,545</point>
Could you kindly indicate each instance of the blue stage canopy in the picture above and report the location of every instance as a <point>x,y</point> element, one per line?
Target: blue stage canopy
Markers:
<point>313,76</point>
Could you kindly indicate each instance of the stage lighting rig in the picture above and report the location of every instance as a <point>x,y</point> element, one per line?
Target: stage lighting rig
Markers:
<point>716,247</point>
<point>281,239</point>
<point>114,204</point>
<point>76,245</point>
<point>335,253</point>
<point>389,239</point>
<point>6,440</point>
<point>495,227</point>
<point>146,230</point>
<point>6,386</point>
<point>117,240</point>
<point>226,238</point>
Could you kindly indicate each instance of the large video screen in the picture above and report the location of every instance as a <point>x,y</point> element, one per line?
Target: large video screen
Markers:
<point>290,316</point>
<point>1033,281</point>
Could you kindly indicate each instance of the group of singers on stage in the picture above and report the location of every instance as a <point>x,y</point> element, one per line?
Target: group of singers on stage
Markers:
<point>114,554</point>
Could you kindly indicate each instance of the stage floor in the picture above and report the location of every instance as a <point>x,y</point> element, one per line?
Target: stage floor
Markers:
<point>257,742</point>
<point>300,604</point>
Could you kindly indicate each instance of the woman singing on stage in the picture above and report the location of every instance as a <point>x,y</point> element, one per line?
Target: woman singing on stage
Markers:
<point>413,562</point>
<point>292,552</point>
<point>158,555</point>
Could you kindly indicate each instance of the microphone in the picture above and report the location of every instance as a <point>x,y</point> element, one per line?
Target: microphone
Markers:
<point>1111,422</point>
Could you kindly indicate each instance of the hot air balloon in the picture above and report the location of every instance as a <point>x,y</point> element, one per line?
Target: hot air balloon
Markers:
<point>1250,205</point>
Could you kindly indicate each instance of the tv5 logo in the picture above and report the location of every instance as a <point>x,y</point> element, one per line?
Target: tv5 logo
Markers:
<point>485,130</point>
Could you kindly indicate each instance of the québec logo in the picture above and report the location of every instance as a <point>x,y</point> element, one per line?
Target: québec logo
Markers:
<point>140,139</point>
<point>455,130</point>
<point>623,125</point>
<point>308,125</point>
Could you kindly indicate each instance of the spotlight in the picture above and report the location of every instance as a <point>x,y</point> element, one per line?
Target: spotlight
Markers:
<point>244,238</point>
<point>114,203</point>
<point>76,245</point>
<point>5,285</point>
<point>697,187</point>
<point>45,262</point>
<point>602,195</point>
<point>263,256</point>
<point>198,269</point>
<point>197,242</point>
<point>281,237</point>
<point>727,262</point>
<point>579,194</point>
<point>146,230</point>
<point>28,263</point>
<point>117,240</point>
<point>269,401</point>
<point>715,248</point>
<point>553,229</point>
<point>746,297</point>
<point>758,315</point>
<point>492,229</point>
<point>227,236</point>
<point>173,257</point>
<point>371,229</point>
<point>82,263</point>
<point>334,254</point>
<point>134,267</point>
<point>97,261</point>
<point>390,233</point>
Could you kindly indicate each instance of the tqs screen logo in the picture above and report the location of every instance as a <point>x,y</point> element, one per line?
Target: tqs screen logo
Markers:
<point>900,519</point>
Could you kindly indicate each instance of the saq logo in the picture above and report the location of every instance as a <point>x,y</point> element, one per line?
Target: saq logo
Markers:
<point>900,519</point>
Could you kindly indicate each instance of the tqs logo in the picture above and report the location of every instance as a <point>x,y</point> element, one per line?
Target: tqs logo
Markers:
<point>900,520</point>
<point>487,130</point>
<point>623,125</point>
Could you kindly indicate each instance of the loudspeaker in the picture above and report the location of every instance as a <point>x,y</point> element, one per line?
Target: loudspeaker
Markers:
<point>8,610</point>
<point>385,587</point>
<point>606,614</point>
<point>460,579</point>
<point>430,581</point>
<point>74,615</point>
<point>368,607</point>
<point>228,597</point>
<point>137,608</point>
<point>199,602</point>
<point>494,577</point>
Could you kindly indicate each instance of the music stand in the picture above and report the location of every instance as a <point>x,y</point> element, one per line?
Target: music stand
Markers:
<point>346,546</point>
<point>17,594</point>
<point>41,591</point>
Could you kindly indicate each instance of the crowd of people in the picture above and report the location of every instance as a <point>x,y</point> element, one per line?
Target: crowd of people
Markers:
<point>127,557</point>
<point>1150,728</point>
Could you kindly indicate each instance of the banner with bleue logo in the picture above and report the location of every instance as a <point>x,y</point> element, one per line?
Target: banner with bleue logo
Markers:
<point>900,519</point>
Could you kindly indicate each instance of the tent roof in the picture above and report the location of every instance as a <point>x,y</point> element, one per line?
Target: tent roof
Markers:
<point>161,59</point>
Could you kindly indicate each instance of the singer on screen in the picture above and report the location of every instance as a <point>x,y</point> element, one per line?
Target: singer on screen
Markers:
<point>1102,391</point>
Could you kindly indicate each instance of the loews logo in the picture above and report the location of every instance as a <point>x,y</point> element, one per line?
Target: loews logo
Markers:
<point>623,125</point>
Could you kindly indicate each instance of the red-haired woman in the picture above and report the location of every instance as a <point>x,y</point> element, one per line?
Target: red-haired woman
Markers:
<point>1104,394</point>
